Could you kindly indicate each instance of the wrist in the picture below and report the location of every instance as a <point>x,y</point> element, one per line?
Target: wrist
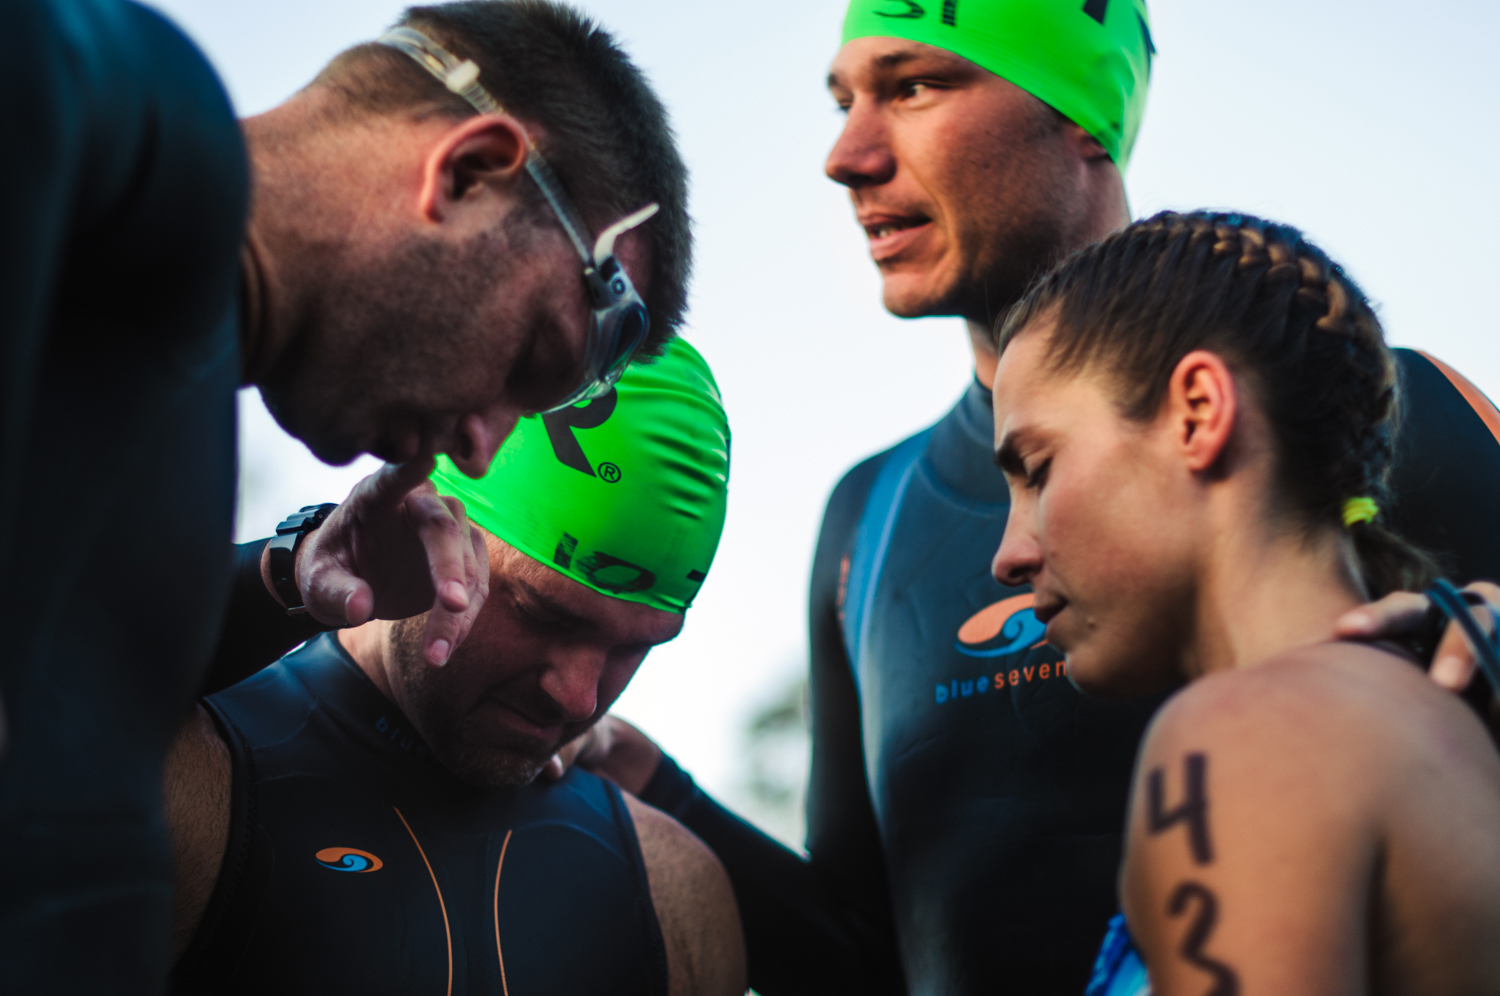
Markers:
<point>282,555</point>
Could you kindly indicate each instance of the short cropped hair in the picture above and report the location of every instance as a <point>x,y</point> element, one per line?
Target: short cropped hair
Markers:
<point>601,127</point>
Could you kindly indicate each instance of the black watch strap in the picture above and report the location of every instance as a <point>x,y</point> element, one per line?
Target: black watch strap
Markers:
<point>283,553</point>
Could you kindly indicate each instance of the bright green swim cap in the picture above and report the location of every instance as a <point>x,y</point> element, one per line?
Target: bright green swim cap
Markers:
<point>1089,59</point>
<point>624,494</point>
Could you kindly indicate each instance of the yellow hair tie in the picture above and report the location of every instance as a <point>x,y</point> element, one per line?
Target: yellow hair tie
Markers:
<point>1359,510</point>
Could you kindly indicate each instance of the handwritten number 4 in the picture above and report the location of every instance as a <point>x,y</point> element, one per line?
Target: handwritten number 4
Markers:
<point>1193,810</point>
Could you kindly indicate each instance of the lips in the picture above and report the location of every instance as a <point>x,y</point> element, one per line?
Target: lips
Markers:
<point>889,234</point>
<point>1047,608</point>
<point>518,722</point>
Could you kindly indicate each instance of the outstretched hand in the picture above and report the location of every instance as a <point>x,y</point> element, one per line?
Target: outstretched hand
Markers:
<point>393,549</point>
<point>613,749</point>
<point>1403,614</point>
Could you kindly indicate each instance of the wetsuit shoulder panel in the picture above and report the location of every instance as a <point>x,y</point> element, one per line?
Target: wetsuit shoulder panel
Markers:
<point>1447,475</point>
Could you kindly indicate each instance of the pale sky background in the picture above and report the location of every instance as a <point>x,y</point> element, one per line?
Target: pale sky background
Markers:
<point>1367,123</point>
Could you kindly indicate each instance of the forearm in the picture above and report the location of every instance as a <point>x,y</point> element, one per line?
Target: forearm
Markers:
<point>800,937</point>
<point>257,629</point>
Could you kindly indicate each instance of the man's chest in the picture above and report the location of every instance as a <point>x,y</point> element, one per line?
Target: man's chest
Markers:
<point>354,888</point>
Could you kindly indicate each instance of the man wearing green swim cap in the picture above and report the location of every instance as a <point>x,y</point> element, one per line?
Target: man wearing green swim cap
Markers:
<point>352,754</point>
<point>966,802</point>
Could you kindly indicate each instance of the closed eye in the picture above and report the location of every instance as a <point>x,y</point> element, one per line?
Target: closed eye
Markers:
<point>1037,476</point>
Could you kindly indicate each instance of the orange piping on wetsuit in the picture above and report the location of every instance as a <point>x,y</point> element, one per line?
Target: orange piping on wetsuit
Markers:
<point>1482,406</point>
<point>447,932</point>
<point>504,986</point>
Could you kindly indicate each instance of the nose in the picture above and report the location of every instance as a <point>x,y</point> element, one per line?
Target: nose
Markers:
<point>571,680</point>
<point>862,156</point>
<point>1019,559</point>
<point>477,438</point>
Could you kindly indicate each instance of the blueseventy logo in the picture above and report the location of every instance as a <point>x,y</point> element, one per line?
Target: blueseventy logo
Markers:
<point>962,689</point>
<point>348,859</point>
<point>1007,627</point>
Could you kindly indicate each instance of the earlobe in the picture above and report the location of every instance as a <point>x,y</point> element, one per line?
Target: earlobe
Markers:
<point>488,151</point>
<point>1203,402</point>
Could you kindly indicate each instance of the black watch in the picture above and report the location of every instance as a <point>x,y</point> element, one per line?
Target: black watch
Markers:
<point>289,535</point>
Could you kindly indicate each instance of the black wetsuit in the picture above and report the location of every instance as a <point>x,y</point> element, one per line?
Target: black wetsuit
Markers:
<point>123,191</point>
<point>966,802</point>
<point>357,864</point>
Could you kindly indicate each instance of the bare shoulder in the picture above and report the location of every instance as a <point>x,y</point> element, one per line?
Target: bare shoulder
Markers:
<point>1275,806</point>
<point>196,789</point>
<point>1345,704</point>
<point>695,905</point>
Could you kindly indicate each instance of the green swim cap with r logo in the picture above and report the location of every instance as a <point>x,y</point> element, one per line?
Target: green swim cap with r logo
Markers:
<point>624,494</point>
<point>1089,59</point>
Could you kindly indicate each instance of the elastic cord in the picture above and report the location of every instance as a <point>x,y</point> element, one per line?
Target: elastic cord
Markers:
<point>1455,605</point>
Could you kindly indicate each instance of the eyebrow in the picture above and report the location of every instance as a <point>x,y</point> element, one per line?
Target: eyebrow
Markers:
<point>890,60</point>
<point>566,616</point>
<point>1008,458</point>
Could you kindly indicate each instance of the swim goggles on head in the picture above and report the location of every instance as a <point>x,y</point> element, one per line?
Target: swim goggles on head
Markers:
<point>620,320</point>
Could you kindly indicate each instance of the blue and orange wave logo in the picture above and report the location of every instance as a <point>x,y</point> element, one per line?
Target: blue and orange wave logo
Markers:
<point>348,859</point>
<point>1011,621</point>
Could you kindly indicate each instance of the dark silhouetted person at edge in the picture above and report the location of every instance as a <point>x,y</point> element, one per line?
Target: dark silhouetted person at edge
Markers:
<point>966,802</point>
<point>401,284</point>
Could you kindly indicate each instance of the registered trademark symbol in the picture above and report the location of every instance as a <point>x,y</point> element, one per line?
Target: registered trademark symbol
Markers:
<point>609,473</point>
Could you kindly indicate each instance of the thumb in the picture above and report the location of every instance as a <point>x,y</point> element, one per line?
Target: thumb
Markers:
<point>335,597</point>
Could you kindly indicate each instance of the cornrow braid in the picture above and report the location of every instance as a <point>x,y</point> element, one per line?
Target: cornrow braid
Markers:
<point>1283,316</point>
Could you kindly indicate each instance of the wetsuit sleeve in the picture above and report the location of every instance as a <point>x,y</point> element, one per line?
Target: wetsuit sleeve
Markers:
<point>38,176</point>
<point>821,923</point>
<point>1447,476</point>
<point>257,631</point>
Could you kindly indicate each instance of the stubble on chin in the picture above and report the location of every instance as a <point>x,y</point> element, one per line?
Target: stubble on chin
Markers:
<point>453,742</point>
<point>380,342</point>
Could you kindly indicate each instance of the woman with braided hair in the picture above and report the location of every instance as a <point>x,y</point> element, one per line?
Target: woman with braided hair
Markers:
<point>1195,417</point>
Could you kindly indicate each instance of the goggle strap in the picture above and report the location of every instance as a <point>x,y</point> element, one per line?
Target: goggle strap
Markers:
<point>461,76</point>
<point>605,246</point>
<point>561,205</point>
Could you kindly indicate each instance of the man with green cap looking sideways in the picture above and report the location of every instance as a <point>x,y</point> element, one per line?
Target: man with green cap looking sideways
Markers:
<point>352,819</point>
<point>966,802</point>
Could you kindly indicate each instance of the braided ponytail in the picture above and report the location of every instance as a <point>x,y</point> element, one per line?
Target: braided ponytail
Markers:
<point>1283,316</point>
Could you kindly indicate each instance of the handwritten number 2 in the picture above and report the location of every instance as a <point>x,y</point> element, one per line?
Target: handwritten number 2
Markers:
<point>1194,808</point>
<point>1226,982</point>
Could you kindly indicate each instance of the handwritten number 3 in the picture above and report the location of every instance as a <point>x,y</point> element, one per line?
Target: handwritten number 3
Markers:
<point>1226,982</point>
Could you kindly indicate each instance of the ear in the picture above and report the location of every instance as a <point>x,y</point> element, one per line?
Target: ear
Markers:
<point>481,153</point>
<point>1202,407</point>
